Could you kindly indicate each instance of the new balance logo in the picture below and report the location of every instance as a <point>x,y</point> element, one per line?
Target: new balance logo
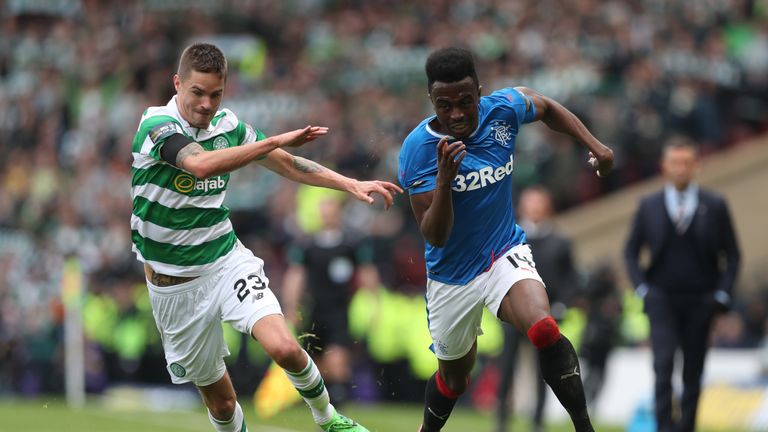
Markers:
<point>482,177</point>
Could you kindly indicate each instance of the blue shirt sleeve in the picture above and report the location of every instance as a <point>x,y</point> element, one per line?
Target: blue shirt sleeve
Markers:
<point>522,105</point>
<point>417,167</point>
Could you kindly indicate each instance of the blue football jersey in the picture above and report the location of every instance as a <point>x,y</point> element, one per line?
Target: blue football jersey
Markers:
<point>484,224</point>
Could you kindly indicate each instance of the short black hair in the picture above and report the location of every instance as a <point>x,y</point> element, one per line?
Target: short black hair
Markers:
<point>202,57</point>
<point>449,65</point>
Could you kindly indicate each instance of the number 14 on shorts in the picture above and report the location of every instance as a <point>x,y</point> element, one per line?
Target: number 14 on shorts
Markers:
<point>243,287</point>
<point>521,261</point>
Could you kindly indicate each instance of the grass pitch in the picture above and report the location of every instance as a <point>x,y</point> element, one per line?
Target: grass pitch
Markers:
<point>52,415</point>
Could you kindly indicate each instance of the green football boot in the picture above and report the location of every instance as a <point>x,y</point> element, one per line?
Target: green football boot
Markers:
<point>340,423</point>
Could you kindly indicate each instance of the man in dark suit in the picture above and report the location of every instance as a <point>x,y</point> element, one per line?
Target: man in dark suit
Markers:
<point>554,262</point>
<point>694,259</point>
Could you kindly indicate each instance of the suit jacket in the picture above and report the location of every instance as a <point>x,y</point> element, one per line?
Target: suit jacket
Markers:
<point>711,227</point>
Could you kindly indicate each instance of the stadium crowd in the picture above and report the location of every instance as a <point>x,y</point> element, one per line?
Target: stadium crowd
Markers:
<point>76,75</point>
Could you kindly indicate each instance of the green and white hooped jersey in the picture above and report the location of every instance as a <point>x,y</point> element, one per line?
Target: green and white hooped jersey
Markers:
<point>179,224</point>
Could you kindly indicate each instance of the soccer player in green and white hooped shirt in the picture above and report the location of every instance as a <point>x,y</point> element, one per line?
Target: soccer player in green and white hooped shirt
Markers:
<point>198,274</point>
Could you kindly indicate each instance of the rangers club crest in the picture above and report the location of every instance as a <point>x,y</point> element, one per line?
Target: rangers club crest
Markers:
<point>502,132</point>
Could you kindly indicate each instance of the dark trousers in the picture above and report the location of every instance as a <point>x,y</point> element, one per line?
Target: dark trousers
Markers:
<point>507,363</point>
<point>678,321</point>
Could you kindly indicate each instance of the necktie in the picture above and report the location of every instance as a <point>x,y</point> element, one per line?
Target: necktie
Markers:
<point>680,224</point>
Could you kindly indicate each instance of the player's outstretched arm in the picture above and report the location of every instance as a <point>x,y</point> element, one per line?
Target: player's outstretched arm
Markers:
<point>203,164</point>
<point>312,173</point>
<point>560,119</point>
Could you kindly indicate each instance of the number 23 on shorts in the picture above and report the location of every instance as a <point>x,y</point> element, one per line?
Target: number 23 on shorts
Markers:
<point>243,287</point>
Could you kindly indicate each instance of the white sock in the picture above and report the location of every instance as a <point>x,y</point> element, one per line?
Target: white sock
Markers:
<point>311,387</point>
<point>235,424</point>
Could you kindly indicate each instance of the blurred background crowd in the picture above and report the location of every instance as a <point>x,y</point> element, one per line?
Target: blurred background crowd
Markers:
<point>76,76</point>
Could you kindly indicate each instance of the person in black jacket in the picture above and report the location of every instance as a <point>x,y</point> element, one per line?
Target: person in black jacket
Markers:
<point>325,269</point>
<point>603,303</point>
<point>694,259</point>
<point>554,262</point>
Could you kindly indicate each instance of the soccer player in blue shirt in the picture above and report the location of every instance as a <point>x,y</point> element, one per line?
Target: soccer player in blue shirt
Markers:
<point>457,166</point>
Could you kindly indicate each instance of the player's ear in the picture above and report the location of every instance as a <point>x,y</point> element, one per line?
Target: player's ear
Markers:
<point>479,90</point>
<point>176,82</point>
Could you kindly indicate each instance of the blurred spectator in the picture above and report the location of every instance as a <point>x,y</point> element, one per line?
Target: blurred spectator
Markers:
<point>688,279</point>
<point>604,308</point>
<point>325,268</point>
<point>554,262</point>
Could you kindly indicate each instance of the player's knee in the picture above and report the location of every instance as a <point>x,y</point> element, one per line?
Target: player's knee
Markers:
<point>223,408</point>
<point>458,386</point>
<point>544,333</point>
<point>288,354</point>
<point>452,385</point>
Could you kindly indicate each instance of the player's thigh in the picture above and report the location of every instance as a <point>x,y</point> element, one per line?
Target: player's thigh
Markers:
<point>515,292</point>
<point>454,314</point>
<point>244,292</point>
<point>525,304</point>
<point>187,318</point>
<point>250,306</point>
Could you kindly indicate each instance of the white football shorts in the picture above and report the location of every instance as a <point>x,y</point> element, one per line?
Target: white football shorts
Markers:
<point>454,312</point>
<point>189,315</point>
